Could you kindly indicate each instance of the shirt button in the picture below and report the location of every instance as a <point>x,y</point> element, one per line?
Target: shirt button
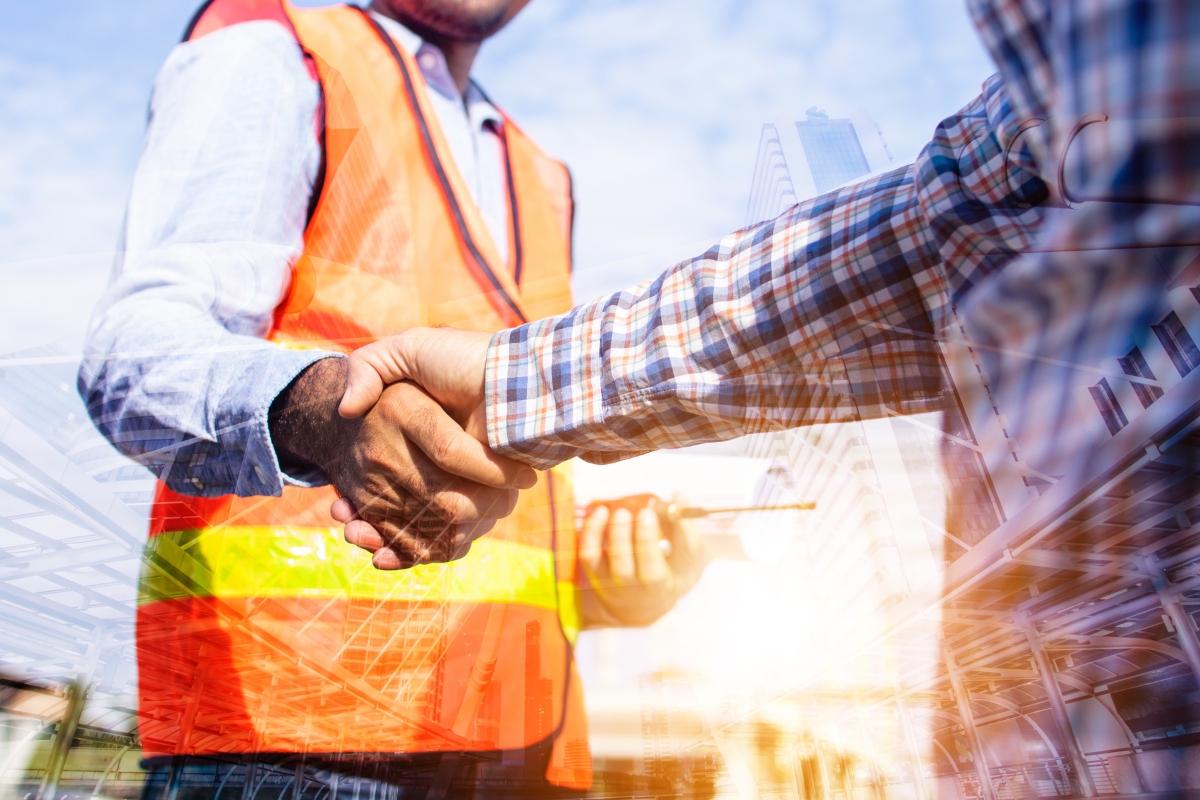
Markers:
<point>428,61</point>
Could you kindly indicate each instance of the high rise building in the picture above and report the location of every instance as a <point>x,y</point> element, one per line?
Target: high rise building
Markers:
<point>539,690</point>
<point>1037,637</point>
<point>799,159</point>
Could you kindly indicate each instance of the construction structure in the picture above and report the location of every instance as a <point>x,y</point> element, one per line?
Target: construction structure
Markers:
<point>1037,637</point>
<point>72,523</point>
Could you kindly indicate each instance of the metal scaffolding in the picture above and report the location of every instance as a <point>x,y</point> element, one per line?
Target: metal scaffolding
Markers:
<point>72,523</point>
<point>1068,622</point>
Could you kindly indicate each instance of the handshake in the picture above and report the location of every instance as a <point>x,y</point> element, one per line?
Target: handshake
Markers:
<point>430,382</point>
<point>400,430</point>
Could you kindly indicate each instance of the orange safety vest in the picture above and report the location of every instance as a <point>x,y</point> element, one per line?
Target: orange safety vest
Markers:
<point>259,629</point>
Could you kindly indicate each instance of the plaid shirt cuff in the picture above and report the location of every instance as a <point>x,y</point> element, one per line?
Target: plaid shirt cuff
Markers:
<point>543,379</point>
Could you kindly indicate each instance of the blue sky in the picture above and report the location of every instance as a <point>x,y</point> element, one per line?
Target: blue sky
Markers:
<point>656,105</point>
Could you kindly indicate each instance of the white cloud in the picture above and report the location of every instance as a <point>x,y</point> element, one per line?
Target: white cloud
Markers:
<point>49,300</point>
<point>65,177</point>
<point>657,104</point>
<point>62,162</point>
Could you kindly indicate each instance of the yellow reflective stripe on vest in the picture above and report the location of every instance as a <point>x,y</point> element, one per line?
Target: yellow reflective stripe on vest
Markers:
<point>568,610</point>
<point>269,561</point>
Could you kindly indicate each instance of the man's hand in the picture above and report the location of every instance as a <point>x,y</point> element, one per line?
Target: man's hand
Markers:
<point>446,362</point>
<point>635,561</point>
<point>409,476</point>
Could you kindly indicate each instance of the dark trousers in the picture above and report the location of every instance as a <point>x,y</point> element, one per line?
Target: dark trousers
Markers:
<point>353,776</point>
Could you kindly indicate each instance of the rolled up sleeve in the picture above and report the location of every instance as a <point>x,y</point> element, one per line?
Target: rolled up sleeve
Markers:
<point>176,372</point>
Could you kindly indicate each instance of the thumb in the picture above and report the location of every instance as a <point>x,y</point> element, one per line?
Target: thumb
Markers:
<point>372,367</point>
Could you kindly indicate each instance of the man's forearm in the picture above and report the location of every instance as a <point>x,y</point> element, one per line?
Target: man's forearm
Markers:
<point>763,332</point>
<point>829,312</point>
<point>190,402</point>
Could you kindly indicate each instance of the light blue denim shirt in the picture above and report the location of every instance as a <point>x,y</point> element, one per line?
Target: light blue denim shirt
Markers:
<point>176,372</point>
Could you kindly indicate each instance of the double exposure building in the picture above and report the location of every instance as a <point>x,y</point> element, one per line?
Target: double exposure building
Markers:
<point>969,623</point>
<point>72,523</point>
<point>799,159</point>
<point>997,630</point>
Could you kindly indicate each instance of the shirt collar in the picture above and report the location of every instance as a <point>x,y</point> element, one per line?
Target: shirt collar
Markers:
<point>432,63</point>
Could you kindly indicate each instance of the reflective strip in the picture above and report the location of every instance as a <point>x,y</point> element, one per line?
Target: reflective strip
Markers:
<point>268,561</point>
<point>568,610</point>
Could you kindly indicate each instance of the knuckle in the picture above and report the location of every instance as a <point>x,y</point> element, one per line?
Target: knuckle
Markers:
<point>372,454</point>
<point>375,485</point>
<point>622,519</point>
<point>415,408</point>
<point>444,448</point>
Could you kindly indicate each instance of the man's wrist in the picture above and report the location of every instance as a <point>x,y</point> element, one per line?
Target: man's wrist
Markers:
<point>303,419</point>
<point>542,387</point>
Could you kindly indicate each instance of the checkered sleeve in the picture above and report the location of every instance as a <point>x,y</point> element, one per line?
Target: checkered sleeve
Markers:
<point>827,313</point>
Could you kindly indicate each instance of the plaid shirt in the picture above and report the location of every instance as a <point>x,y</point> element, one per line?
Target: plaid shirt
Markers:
<point>832,311</point>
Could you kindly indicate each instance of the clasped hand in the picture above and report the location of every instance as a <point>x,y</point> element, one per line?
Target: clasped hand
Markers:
<point>627,578</point>
<point>410,477</point>
<point>428,384</point>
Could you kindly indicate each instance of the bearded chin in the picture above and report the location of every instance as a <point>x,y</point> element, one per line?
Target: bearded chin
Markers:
<point>473,26</point>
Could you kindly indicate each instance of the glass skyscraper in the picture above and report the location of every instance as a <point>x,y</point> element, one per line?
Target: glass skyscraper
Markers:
<point>834,154</point>
<point>799,159</point>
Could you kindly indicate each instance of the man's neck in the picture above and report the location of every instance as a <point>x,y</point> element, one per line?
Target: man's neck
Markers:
<point>460,55</point>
